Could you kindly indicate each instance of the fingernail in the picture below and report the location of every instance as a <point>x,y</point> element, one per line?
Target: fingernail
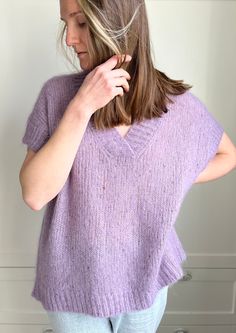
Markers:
<point>127,56</point>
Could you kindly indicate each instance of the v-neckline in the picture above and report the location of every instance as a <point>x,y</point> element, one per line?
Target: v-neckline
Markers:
<point>132,145</point>
<point>123,136</point>
<point>135,141</point>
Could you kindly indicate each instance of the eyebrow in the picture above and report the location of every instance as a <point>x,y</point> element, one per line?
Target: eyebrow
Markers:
<point>72,14</point>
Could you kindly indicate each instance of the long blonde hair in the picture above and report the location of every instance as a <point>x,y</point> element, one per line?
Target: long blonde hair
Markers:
<point>121,27</point>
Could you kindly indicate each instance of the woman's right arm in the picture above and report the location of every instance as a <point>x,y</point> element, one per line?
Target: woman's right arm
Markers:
<point>42,177</point>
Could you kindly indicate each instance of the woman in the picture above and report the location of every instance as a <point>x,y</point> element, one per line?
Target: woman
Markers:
<point>112,152</point>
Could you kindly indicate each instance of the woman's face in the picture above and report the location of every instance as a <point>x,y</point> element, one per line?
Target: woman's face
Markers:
<point>77,33</point>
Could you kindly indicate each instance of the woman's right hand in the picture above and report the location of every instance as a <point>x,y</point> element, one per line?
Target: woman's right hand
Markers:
<point>101,85</point>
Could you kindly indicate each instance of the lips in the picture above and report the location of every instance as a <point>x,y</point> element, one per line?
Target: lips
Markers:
<point>81,55</point>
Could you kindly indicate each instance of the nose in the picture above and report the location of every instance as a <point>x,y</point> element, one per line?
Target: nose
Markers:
<point>72,36</point>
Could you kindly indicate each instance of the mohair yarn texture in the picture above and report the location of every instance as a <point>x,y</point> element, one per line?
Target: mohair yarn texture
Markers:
<point>108,242</point>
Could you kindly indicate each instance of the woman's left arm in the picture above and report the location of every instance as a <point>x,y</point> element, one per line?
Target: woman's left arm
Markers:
<point>223,162</point>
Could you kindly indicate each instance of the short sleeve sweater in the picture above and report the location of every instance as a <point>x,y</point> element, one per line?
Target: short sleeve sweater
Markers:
<point>108,242</point>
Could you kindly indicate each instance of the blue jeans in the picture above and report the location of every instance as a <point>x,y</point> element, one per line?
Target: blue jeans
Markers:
<point>144,321</point>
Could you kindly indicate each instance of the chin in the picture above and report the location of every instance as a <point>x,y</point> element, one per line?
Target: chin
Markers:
<point>84,66</point>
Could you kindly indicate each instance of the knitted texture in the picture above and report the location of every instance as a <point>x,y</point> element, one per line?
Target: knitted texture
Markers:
<point>108,242</point>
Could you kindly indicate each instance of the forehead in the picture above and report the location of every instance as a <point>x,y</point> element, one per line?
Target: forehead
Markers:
<point>69,8</point>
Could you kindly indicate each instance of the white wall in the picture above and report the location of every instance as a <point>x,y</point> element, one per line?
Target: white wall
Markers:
<point>192,40</point>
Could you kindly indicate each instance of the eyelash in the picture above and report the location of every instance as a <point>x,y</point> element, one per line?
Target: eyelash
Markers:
<point>81,24</point>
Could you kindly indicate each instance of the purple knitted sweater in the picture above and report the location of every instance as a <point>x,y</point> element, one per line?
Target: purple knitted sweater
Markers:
<point>108,242</point>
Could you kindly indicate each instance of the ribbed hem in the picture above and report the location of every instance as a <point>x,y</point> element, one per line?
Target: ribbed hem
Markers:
<point>106,305</point>
<point>34,137</point>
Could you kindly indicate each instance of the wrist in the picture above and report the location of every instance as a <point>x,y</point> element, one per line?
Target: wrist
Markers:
<point>80,108</point>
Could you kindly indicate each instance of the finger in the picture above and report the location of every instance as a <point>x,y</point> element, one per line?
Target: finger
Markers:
<point>120,72</point>
<point>112,62</point>
<point>121,82</point>
<point>119,91</point>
